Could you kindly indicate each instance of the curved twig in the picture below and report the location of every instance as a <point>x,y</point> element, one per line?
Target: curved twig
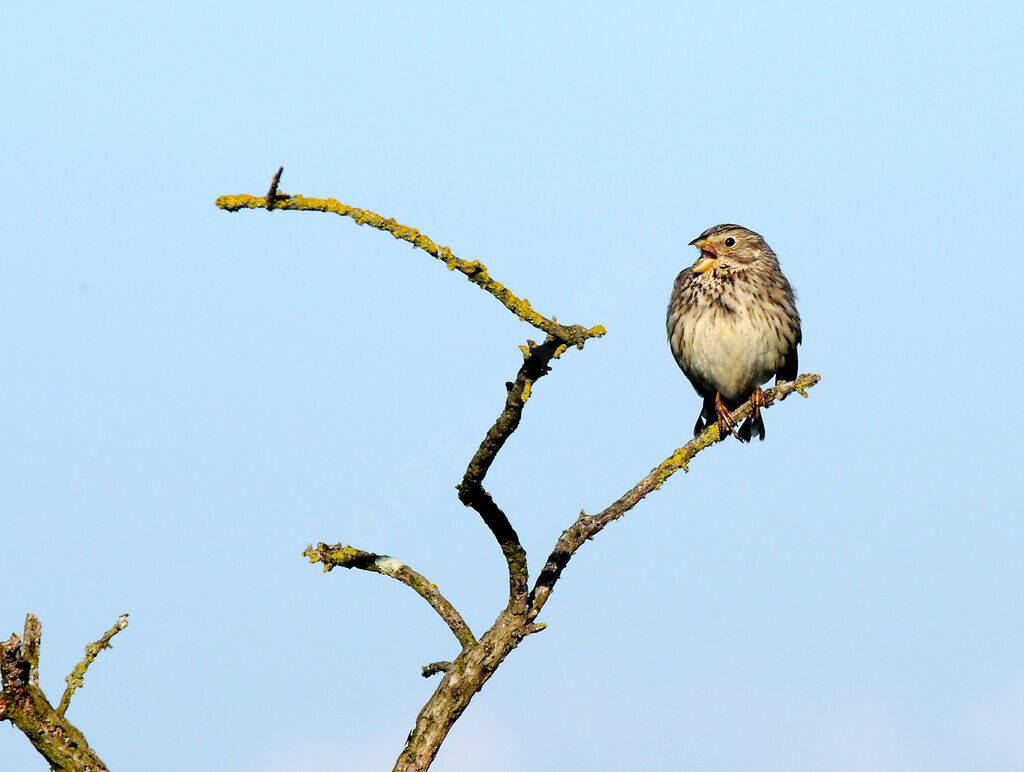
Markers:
<point>337,556</point>
<point>474,270</point>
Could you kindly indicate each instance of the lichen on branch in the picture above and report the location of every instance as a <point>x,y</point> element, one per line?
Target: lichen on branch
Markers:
<point>587,526</point>
<point>76,677</point>
<point>25,705</point>
<point>474,270</point>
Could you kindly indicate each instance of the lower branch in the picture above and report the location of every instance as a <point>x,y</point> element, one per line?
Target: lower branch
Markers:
<point>24,705</point>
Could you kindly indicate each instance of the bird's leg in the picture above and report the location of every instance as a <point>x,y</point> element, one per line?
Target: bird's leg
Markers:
<point>754,424</point>
<point>758,401</point>
<point>725,422</point>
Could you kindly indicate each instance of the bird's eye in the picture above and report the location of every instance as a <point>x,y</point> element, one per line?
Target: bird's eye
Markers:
<point>730,241</point>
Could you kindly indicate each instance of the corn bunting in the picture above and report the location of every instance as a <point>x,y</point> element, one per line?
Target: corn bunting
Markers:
<point>732,325</point>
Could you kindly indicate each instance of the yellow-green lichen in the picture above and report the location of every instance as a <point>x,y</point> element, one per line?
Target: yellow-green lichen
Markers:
<point>474,270</point>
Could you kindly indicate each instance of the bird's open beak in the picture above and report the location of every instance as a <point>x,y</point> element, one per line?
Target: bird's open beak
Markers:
<point>707,258</point>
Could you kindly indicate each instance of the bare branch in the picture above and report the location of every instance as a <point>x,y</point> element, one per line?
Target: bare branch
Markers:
<point>473,270</point>
<point>475,665</point>
<point>23,704</point>
<point>588,526</point>
<point>335,555</point>
<point>471,491</point>
<point>478,660</point>
<point>76,677</point>
<point>466,676</point>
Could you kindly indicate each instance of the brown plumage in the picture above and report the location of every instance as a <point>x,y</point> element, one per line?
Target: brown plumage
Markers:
<point>733,324</point>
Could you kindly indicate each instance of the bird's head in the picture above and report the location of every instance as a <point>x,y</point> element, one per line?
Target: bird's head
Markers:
<point>729,247</point>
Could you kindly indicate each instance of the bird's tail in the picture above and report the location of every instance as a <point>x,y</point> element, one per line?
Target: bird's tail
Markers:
<point>750,426</point>
<point>707,416</point>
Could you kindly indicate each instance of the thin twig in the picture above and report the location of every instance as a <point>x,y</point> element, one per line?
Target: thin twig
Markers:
<point>436,667</point>
<point>476,272</point>
<point>76,677</point>
<point>338,556</point>
<point>587,526</point>
<point>271,196</point>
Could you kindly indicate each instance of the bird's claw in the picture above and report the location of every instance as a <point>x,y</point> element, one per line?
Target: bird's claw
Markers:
<point>725,419</point>
<point>758,401</point>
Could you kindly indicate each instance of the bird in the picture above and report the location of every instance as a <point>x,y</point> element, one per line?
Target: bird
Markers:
<point>732,324</point>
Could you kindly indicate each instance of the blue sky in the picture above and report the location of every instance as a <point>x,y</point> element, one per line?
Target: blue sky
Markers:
<point>190,397</point>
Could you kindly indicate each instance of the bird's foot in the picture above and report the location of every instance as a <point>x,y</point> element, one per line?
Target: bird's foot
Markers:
<point>758,401</point>
<point>725,420</point>
<point>754,424</point>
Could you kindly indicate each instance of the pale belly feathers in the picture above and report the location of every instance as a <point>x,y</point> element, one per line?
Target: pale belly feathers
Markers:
<point>732,353</point>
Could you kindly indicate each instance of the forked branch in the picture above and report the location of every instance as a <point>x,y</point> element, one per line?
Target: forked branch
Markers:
<point>536,359</point>
<point>24,704</point>
<point>477,661</point>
